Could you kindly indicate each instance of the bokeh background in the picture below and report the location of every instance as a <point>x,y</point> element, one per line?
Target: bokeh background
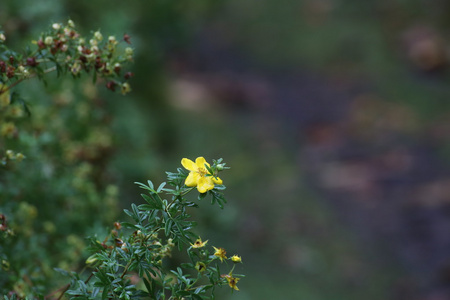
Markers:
<point>333,116</point>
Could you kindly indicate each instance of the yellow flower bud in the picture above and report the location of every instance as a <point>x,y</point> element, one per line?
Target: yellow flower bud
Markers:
<point>236,259</point>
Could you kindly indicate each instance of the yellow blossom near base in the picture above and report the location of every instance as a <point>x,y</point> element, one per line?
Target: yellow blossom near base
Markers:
<point>232,281</point>
<point>198,243</point>
<point>199,175</point>
<point>220,253</point>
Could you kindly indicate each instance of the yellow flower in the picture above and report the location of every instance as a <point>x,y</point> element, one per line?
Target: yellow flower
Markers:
<point>4,95</point>
<point>232,281</point>
<point>236,259</point>
<point>8,129</point>
<point>220,253</point>
<point>198,243</point>
<point>199,175</point>
<point>201,267</point>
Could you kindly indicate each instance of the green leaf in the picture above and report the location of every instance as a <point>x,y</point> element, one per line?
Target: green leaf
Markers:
<point>129,225</point>
<point>132,215</point>
<point>201,196</point>
<point>105,294</point>
<point>195,296</point>
<point>153,202</point>
<point>168,226</point>
<point>161,186</point>
<point>150,184</point>
<point>147,285</point>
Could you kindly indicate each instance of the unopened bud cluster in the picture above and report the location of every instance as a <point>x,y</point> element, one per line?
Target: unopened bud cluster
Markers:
<point>63,49</point>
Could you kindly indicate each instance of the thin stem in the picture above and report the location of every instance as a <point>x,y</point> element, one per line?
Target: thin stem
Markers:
<point>126,268</point>
<point>181,195</point>
<point>64,291</point>
<point>29,77</point>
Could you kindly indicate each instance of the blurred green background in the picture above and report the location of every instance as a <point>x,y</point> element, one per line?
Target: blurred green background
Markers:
<point>333,116</point>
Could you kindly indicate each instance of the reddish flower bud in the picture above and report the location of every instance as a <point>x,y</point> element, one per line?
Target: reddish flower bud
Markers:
<point>11,59</point>
<point>2,66</point>
<point>86,51</point>
<point>72,34</point>
<point>128,75</point>
<point>117,225</point>
<point>111,85</point>
<point>98,62</point>
<point>83,59</point>
<point>31,61</point>
<point>3,226</point>
<point>118,242</point>
<point>58,43</point>
<point>41,44</point>
<point>10,72</point>
<point>127,38</point>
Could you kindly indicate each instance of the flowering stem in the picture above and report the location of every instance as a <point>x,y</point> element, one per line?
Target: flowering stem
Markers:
<point>29,77</point>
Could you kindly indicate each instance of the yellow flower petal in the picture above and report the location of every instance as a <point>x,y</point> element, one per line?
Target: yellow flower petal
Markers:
<point>199,244</point>
<point>201,267</point>
<point>188,164</point>
<point>192,179</point>
<point>232,281</point>
<point>217,180</point>
<point>205,184</point>
<point>201,162</point>
<point>220,253</point>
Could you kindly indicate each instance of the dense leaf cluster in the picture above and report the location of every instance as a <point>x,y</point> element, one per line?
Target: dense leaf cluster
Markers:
<point>128,264</point>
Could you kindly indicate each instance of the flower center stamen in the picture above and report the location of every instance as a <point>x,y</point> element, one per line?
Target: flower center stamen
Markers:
<point>202,171</point>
